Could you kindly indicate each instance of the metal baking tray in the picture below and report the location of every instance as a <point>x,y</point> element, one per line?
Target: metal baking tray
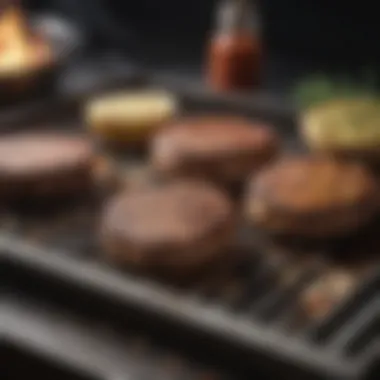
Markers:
<point>51,342</point>
<point>249,315</point>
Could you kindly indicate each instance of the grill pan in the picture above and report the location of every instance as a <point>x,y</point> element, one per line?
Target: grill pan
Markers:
<point>250,315</point>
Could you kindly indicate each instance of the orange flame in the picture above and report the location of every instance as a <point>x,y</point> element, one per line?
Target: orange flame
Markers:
<point>19,49</point>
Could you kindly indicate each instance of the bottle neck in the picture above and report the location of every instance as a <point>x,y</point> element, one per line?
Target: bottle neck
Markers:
<point>235,16</point>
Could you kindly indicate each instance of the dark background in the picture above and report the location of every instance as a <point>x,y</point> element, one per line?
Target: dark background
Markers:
<point>317,30</point>
<point>300,36</point>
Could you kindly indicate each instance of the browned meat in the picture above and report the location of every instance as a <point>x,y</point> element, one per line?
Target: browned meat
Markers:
<point>43,164</point>
<point>222,149</point>
<point>176,229</point>
<point>312,197</point>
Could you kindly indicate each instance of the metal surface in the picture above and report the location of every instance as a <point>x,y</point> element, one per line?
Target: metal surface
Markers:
<point>251,314</point>
<point>55,343</point>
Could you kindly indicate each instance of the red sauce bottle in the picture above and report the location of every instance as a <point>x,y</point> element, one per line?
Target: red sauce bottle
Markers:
<point>235,53</point>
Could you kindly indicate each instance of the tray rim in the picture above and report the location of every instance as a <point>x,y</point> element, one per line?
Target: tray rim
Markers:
<point>137,293</point>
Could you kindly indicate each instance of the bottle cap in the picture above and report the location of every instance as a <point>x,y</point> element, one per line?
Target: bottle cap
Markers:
<point>235,15</point>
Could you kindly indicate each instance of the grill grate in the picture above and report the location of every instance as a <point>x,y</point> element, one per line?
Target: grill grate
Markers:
<point>267,288</point>
<point>313,308</point>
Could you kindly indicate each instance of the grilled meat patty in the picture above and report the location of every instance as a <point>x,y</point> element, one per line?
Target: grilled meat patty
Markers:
<point>222,149</point>
<point>44,164</point>
<point>312,197</point>
<point>181,227</point>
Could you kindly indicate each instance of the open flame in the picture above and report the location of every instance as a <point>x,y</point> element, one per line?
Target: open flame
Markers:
<point>19,48</point>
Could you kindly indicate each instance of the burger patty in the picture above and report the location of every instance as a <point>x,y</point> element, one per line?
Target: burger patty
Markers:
<point>223,149</point>
<point>312,196</point>
<point>44,164</point>
<point>182,226</point>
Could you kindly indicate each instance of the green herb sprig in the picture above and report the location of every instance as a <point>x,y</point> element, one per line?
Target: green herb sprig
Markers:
<point>321,88</point>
